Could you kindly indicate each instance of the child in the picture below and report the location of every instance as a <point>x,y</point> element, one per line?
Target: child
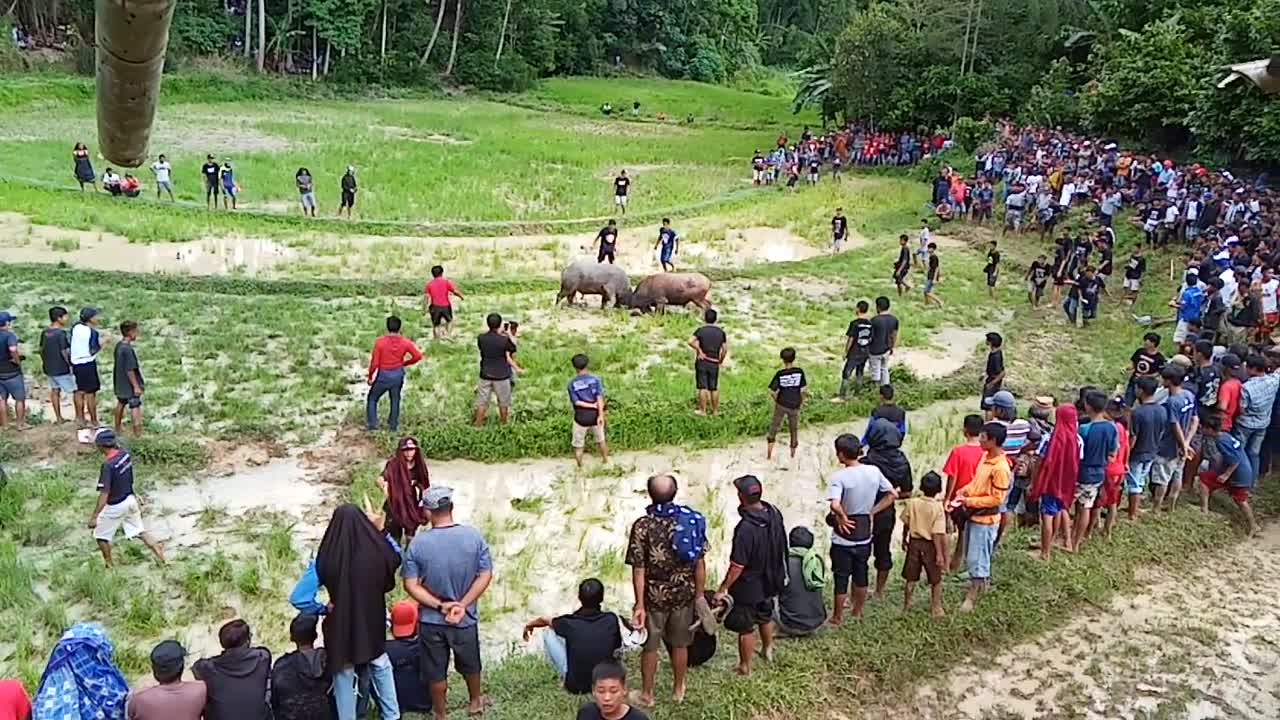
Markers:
<point>789,390</point>
<point>932,276</point>
<point>127,379</point>
<point>959,468</point>
<point>922,252</point>
<point>1113,482</point>
<point>1101,447</point>
<point>511,329</point>
<point>924,538</point>
<point>404,652</point>
<point>1037,277</point>
<point>609,691</point>
<point>1232,472</point>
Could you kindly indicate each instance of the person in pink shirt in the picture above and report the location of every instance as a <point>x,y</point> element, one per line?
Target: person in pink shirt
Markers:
<point>435,300</point>
<point>392,353</point>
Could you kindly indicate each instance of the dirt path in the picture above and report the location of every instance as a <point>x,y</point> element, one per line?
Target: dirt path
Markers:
<point>1201,644</point>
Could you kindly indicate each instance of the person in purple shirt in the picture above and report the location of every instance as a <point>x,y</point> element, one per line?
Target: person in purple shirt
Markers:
<point>586,395</point>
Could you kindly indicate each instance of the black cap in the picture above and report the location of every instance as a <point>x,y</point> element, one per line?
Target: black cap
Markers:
<point>1231,360</point>
<point>167,657</point>
<point>749,486</point>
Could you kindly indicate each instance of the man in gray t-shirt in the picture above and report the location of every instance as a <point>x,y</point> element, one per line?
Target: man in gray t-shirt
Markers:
<point>446,570</point>
<point>852,492</point>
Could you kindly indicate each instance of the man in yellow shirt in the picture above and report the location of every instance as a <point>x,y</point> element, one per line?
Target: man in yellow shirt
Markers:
<point>982,498</point>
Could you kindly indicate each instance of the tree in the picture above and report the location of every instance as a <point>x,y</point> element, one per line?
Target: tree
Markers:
<point>435,33</point>
<point>457,30</point>
<point>870,60</point>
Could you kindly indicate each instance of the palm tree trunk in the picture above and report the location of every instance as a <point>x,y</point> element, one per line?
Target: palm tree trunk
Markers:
<point>383,49</point>
<point>328,55</point>
<point>502,37</point>
<point>248,30</point>
<point>315,54</point>
<point>435,33</point>
<point>262,34</point>
<point>964,52</point>
<point>977,25</point>
<point>457,28</point>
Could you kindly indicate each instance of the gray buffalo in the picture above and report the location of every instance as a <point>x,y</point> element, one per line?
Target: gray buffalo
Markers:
<point>656,292</point>
<point>610,282</point>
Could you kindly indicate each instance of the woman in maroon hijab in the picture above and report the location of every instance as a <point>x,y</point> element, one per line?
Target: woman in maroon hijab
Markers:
<point>404,479</point>
<point>1055,483</point>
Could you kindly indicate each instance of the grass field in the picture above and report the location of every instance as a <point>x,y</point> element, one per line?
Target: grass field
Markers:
<point>255,377</point>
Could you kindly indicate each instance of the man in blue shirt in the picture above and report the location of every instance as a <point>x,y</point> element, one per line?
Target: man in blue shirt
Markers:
<point>1232,472</point>
<point>1101,443</point>
<point>1190,304</point>
<point>667,245</point>
<point>1175,446</point>
<point>586,396</point>
<point>11,383</point>
<point>446,570</point>
<point>117,506</point>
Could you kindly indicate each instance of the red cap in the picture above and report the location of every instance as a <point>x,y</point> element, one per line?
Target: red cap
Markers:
<point>404,619</point>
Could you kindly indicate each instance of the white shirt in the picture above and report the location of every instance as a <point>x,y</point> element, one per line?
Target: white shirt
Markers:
<point>856,489</point>
<point>1193,209</point>
<point>1171,215</point>
<point>1068,194</point>
<point>161,170</point>
<point>1269,302</point>
<point>924,238</point>
<point>1033,182</point>
<point>80,354</point>
<point>1229,286</point>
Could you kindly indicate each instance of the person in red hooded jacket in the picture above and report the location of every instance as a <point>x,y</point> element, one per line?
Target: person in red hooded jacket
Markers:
<point>1055,483</point>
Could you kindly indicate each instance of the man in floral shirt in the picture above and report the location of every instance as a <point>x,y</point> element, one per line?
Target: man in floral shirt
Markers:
<point>668,572</point>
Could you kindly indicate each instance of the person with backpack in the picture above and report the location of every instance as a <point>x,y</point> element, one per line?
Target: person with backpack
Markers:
<point>757,572</point>
<point>801,609</point>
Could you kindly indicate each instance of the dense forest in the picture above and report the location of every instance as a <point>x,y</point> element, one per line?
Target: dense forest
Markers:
<point>1145,70</point>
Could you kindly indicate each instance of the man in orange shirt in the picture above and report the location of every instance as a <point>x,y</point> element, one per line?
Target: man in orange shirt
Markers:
<point>982,498</point>
<point>392,353</point>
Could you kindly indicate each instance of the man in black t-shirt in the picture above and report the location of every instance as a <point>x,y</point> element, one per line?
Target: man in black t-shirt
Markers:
<point>993,376</point>
<point>576,643</point>
<point>789,390</point>
<point>856,353</point>
<point>884,337</point>
<point>711,347</point>
<point>348,191</point>
<point>495,370</point>
<point>1037,277</point>
<point>621,185</point>
<point>210,170</point>
<point>127,379</point>
<point>1082,300</point>
<point>902,266</point>
<point>607,238</point>
<point>839,230</point>
<point>55,357</point>
<point>757,572</point>
<point>932,276</point>
<point>992,269</point>
<point>1146,361</point>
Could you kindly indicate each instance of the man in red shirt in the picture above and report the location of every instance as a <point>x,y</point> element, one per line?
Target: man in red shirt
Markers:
<point>959,468</point>
<point>392,353</point>
<point>435,300</point>
<point>1229,391</point>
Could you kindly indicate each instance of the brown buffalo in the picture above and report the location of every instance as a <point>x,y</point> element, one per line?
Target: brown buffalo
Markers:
<point>656,292</point>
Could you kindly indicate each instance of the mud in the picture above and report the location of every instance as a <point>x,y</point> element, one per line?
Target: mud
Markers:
<point>952,348</point>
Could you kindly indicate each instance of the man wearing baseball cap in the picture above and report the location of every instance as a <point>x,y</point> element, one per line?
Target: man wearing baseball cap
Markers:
<point>11,383</point>
<point>757,572</point>
<point>406,658</point>
<point>172,698</point>
<point>117,506</point>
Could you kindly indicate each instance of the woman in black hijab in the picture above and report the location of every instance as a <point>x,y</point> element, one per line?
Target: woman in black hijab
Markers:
<point>884,451</point>
<point>356,564</point>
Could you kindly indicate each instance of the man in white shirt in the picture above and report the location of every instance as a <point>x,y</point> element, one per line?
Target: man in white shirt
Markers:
<point>1270,302</point>
<point>856,493</point>
<point>161,169</point>
<point>1193,206</point>
<point>85,344</point>
<point>1229,286</point>
<point>1068,194</point>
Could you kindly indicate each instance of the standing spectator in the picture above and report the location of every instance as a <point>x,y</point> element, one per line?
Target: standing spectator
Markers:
<point>171,698</point>
<point>1054,486</point>
<point>757,572</point>
<point>857,341</point>
<point>857,493</point>
<point>356,563</point>
<point>435,300</point>
<point>883,445</point>
<point>85,345</point>
<point>405,654</point>
<point>981,499</point>
<point>902,266</point>
<point>83,166</point>
<point>884,338</point>
<point>1101,445</point>
<point>801,609</point>
<point>609,695</point>
<point>404,478</point>
<point>1147,425</point>
<point>210,172</point>
<point>12,384</point>
<point>348,184</point>
<point>621,185</point>
<point>127,379</point>
<point>446,570</point>
<point>1229,391</point>
<point>300,680</point>
<point>163,172</point>
<point>668,571</point>
<point>586,396</point>
<point>1231,471</point>
<point>839,228</point>
<point>237,678</point>
<point>992,269</point>
<point>1190,304</point>
<point>495,370</point>
<point>392,353</point>
<point>960,466</point>
<point>117,506</point>
<point>306,191</point>
<point>711,347</point>
<point>789,390</point>
<point>993,376</point>
<point>229,188</point>
<point>1257,398</point>
<point>924,538</point>
<point>932,276</point>
<point>578,642</point>
<point>55,357</point>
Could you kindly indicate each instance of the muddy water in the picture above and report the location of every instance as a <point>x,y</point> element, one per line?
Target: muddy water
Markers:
<point>951,348</point>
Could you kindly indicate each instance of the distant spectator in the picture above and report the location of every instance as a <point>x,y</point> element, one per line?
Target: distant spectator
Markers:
<point>172,698</point>
<point>230,190</point>
<point>576,643</point>
<point>392,353</point>
<point>306,191</point>
<point>586,396</point>
<point>495,370</point>
<point>237,677</point>
<point>127,379</point>
<point>300,680</point>
<point>83,166</point>
<point>12,384</point>
<point>348,184</point>
<point>163,173</point>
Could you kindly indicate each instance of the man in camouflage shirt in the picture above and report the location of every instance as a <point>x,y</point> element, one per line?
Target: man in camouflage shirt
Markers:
<point>667,573</point>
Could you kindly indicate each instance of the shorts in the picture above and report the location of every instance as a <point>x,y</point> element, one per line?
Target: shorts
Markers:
<point>928,287</point>
<point>606,253</point>
<point>580,435</point>
<point>440,314</point>
<point>665,256</point>
<point>86,376</point>
<point>308,200</point>
<point>899,276</point>
<point>745,618</point>
<point>850,562</point>
<point>14,387</point>
<point>921,554</point>
<point>1111,490</point>
<point>757,175</point>
<point>1087,495</point>
<point>348,199</point>
<point>1034,289</point>
<point>670,627</point>
<point>487,388</point>
<point>706,376</point>
<point>620,200</point>
<point>1013,218</point>
<point>65,383</point>
<point>132,402</point>
<point>1167,471</point>
<point>991,278</point>
<point>125,515</point>
<point>1132,284</point>
<point>164,185</point>
<point>792,416</point>
<point>436,642</point>
<point>1211,483</point>
<point>1051,505</point>
<point>1135,479</point>
<point>1180,331</point>
<point>981,544</point>
<point>229,191</point>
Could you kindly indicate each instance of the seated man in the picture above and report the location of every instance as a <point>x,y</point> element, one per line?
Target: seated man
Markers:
<point>236,678</point>
<point>172,699</point>
<point>111,182</point>
<point>300,679</point>
<point>801,608</point>
<point>580,641</point>
<point>130,186</point>
<point>406,658</point>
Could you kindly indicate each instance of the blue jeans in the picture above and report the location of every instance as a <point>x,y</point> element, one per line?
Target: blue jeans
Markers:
<point>384,690</point>
<point>387,381</point>
<point>982,541</point>
<point>1252,440</point>
<point>557,651</point>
